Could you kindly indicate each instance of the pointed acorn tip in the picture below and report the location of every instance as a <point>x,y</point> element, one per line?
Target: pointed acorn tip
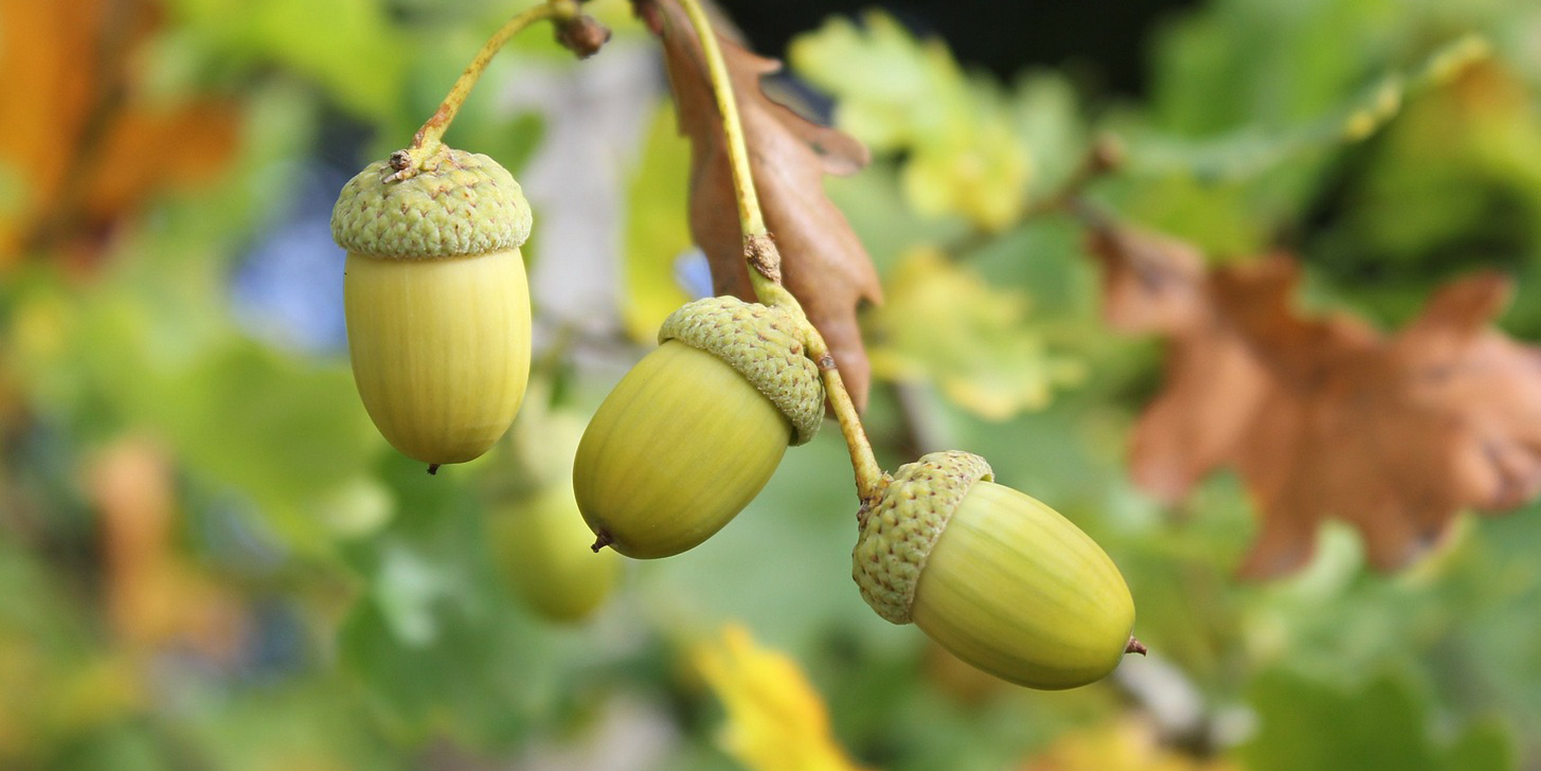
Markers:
<point>1135,646</point>
<point>433,469</point>
<point>601,542</point>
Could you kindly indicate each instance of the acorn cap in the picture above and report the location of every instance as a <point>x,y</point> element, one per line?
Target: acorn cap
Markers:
<point>761,342</point>
<point>446,203</point>
<point>896,535</point>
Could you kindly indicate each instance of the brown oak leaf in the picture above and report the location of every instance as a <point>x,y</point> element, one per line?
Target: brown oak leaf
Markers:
<point>823,263</point>
<point>1152,284</point>
<point>1327,417</point>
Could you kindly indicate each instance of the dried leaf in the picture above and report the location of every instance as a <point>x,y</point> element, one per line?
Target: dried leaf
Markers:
<point>1154,284</point>
<point>1326,417</point>
<point>823,263</point>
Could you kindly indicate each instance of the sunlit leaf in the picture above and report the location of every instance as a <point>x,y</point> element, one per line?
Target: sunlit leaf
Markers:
<point>656,233</point>
<point>776,720</point>
<point>943,324</point>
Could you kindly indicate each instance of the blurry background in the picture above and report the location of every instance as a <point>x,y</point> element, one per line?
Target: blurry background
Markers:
<point>209,558</point>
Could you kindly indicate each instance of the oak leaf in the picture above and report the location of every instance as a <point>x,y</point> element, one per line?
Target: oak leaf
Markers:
<point>823,263</point>
<point>1328,417</point>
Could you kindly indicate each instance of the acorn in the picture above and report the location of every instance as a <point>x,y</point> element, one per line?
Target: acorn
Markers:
<point>694,431</point>
<point>1002,581</point>
<point>540,543</point>
<point>437,304</point>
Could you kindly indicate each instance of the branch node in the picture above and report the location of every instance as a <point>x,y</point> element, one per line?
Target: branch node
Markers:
<point>763,256</point>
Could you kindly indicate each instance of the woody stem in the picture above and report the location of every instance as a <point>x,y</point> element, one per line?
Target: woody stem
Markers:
<point>765,260</point>
<point>433,130</point>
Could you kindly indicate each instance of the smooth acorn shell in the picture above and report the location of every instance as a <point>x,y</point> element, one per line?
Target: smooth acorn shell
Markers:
<point>542,548</point>
<point>681,445</point>
<point>1014,588</point>
<point>440,349</point>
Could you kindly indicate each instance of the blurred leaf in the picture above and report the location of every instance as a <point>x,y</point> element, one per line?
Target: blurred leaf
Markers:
<point>656,232</point>
<point>1454,184</point>
<point>823,263</point>
<point>1046,112</point>
<point>942,323</point>
<point>901,94</point>
<point>348,46</point>
<point>154,597</point>
<point>1381,723</point>
<point>79,129</point>
<point>1248,150</point>
<point>1326,417</point>
<point>1128,744</point>
<point>776,721</point>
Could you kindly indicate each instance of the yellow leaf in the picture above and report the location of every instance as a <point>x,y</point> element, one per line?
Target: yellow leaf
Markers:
<point>942,323</point>
<point>1126,745</point>
<point>656,229</point>
<point>776,721</point>
<point>980,173</point>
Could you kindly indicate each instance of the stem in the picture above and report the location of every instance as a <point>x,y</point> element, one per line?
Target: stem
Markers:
<point>870,477</point>
<point>750,220</point>
<point>433,130</point>
<point>765,260</point>
<point>760,251</point>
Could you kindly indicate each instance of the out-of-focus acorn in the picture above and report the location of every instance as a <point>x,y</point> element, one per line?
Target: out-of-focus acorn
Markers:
<point>694,431</point>
<point>437,304</point>
<point>542,546</point>
<point>996,577</point>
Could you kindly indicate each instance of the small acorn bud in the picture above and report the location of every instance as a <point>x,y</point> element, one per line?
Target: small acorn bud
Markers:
<point>694,431</point>
<point>437,305</point>
<point>997,578</point>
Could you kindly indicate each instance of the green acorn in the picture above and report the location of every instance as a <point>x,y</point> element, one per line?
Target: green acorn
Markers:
<point>540,542</point>
<point>437,304</point>
<point>694,431</point>
<point>997,578</point>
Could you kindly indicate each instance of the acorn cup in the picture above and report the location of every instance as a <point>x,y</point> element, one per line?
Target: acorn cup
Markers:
<point>1002,581</point>
<point>693,432</point>
<point>437,305</point>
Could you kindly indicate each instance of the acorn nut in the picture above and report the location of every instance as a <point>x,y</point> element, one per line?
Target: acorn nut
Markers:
<point>996,577</point>
<point>693,432</point>
<point>540,543</point>
<point>542,549</point>
<point>437,305</point>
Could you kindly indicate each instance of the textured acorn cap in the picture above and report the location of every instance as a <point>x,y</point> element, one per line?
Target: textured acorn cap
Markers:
<point>762,343</point>
<point>896,535</point>
<point>448,203</point>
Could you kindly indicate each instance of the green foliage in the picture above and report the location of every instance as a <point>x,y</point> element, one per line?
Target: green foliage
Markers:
<point>1381,724</point>
<point>372,630</point>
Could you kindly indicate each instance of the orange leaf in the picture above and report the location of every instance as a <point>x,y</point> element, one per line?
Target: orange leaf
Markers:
<point>1326,417</point>
<point>823,263</point>
<point>155,597</point>
<point>82,144</point>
